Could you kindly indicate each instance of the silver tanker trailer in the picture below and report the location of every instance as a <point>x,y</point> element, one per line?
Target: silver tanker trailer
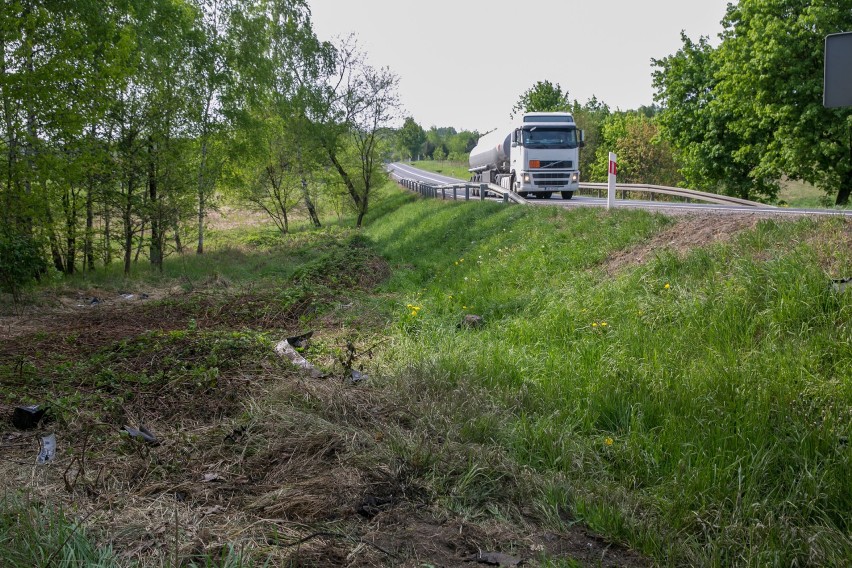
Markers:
<point>534,157</point>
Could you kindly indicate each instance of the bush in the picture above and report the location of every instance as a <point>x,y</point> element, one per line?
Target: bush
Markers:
<point>21,262</point>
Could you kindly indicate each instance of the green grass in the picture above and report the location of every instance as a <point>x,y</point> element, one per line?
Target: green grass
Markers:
<point>39,534</point>
<point>699,406</point>
<point>458,170</point>
<point>801,194</point>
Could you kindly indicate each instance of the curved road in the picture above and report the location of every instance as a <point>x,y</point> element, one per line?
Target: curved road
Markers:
<point>410,172</point>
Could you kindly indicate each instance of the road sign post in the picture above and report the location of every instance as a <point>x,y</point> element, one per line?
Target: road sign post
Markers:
<point>613,172</point>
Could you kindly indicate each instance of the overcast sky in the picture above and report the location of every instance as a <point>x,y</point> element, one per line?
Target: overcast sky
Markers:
<point>464,63</point>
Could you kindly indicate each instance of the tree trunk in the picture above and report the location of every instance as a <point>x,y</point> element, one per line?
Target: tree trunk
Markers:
<point>127,218</point>
<point>178,243</point>
<point>107,252</point>
<point>347,181</point>
<point>845,189</point>
<point>89,240</point>
<point>306,195</point>
<point>156,248</point>
<point>69,206</point>
<point>846,184</point>
<point>201,199</point>
<point>55,253</point>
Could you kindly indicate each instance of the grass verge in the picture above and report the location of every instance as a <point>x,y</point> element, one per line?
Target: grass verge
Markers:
<point>689,396</point>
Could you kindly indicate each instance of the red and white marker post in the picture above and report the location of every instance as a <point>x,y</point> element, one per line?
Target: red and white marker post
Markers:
<point>613,172</point>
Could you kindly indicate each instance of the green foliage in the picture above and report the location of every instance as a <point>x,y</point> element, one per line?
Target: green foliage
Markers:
<point>544,96</point>
<point>590,117</point>
<point>714,156</point>
<point>643,156</point>
<point>411,137</point>
<point>21,262</point>
<point>748,112</point>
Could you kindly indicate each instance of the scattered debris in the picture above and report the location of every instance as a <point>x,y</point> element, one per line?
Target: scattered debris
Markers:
<point>48,449</point>
<point>210,477</point>
<point>142,433</point>
<point>236,434</point>
<point>471,321</point>
<point>494,559</point>
<point>841,284</point>
<point>300,341</point>
<point>27,417</point>
<point>285,349</point>
<point>357,376</point>
<point>130,297</point>
<point>372,505</point>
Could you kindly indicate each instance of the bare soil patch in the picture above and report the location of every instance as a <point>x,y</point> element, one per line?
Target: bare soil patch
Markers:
<point>688,232</point>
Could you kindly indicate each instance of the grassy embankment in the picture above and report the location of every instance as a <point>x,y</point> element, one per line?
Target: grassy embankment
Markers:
<point>697,405</point>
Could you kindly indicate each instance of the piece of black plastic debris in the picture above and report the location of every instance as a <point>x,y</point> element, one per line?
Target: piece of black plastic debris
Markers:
<point>371,505</point>
<point>300,341</point>
<point>48,449</point>
<point>841,284</point>
<point>142,433</point>
<point>94,301</point>
<point>236,434</point>
<point>27,417</point>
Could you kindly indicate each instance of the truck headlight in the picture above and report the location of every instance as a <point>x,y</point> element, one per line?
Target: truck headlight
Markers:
<point>526,178</point>
<point>576,177</point>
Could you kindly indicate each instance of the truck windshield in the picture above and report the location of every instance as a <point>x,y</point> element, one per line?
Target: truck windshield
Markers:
<point>543,137</point>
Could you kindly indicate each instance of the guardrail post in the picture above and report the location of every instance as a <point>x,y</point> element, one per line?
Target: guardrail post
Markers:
<point>505,198</point>
<point>455,197</point>
<point>483,187</point>
<point>466,192</point>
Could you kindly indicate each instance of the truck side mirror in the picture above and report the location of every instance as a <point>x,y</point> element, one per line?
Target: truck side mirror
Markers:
<point>582,141</point>
<point>514,139</point>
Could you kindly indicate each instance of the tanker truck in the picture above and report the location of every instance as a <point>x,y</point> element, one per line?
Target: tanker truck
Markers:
<point>533,157</point>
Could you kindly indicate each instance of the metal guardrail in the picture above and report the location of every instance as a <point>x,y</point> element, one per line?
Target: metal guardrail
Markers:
<point>451,191</point>
<point>688,194</point>
<point>481,189</point>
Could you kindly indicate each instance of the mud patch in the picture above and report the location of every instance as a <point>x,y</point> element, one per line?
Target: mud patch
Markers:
<point>689,232</point>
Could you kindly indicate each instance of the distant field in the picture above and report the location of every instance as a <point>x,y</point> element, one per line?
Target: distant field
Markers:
<point>801,194</point>
<point>447,168</point>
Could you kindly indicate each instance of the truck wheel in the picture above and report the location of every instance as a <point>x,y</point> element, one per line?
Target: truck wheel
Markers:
<point>566,195</point>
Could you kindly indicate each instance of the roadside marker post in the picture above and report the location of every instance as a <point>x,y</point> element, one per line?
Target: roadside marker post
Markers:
<point>613,172</point>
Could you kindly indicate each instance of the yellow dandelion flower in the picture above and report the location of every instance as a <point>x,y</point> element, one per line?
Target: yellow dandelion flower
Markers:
<point>595,324</point>
<point>667,286</point>
<point>603,324</point>
<point>608,441</point>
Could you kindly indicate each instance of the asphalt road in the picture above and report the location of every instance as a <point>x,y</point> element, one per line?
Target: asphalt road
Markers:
<point>409,172</point>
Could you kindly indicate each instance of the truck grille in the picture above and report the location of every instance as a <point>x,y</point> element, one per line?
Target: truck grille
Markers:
<point>557,164</point>
<point>552,179</point>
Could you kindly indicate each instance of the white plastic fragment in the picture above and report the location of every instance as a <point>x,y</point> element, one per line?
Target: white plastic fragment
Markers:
<point>48,449</point>
<point>284,349</point>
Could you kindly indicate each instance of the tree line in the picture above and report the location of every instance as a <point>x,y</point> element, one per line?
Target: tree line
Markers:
<point>734,119</point>
<point>123,120</point>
